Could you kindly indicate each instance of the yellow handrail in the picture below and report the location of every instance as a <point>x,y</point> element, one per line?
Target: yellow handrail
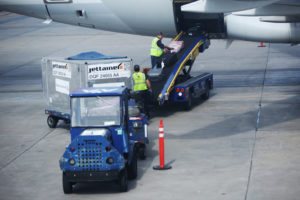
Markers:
<point>178,36</point>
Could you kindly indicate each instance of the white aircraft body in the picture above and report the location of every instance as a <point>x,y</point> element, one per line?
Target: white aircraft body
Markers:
<point>253,20</point>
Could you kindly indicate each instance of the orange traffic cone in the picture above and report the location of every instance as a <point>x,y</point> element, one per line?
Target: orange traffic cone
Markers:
<point>261,44</point>
<point>161,135</point>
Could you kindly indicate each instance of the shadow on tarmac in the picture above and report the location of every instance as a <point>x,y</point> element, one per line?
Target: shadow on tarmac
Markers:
<point>291,50</point>
<point>171,108</point>
<point>279,111</point>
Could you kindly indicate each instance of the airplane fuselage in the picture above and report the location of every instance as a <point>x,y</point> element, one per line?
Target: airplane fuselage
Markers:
<point>268,20</point>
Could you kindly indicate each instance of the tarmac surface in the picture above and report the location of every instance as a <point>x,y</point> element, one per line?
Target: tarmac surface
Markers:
<point>241,144</point>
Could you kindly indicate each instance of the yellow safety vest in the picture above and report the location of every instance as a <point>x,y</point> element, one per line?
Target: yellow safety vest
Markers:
<point>156,50</point>
<point>139,82</point>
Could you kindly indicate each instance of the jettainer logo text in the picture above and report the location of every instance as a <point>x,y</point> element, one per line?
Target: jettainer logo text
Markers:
<point>108,71</point>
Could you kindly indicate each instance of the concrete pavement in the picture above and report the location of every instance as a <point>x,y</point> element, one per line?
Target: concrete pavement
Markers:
<point>243,143</point>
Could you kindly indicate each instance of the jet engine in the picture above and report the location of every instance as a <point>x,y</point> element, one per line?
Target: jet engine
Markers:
<point>264,29</point>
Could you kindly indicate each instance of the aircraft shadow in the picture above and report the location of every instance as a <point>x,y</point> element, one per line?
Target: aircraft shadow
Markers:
<point>271,114</point>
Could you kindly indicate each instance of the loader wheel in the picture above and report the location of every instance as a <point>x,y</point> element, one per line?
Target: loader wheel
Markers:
<point>67,185</point>
<point>67,121</point>
<point>52,121</point>
<point>132,169</point>
<point>142,152</point>
<point>207,91</point>
<point>123,181</point>
<point>188,104</point>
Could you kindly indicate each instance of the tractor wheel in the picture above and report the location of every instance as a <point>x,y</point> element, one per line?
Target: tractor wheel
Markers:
<point>132,169</point>
<point>67,185</point>
<point>52,121</point>
<point>207,91</point>
<point>188,104</point>
<point>142,152</point>
<point>123,181</point>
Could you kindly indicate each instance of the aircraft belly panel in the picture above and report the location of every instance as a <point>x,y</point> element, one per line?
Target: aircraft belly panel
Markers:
<point>146,17</point>
<point>32,8</point>
<point>142,17</point>
<point>94,15</point>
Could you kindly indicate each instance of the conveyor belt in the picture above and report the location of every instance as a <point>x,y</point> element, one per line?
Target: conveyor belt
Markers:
<point>169,73</point>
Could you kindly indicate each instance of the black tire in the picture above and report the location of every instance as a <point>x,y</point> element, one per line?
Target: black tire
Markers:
<point>123,181</point>
<point>188,104</point>
<point>142,152</point>
<point>52,121</point>
<point>67,185</point>
<point>207,91</point>
<point>132,169</point>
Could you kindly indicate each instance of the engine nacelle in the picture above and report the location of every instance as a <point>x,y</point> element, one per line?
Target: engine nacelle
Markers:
<point>251,28</point>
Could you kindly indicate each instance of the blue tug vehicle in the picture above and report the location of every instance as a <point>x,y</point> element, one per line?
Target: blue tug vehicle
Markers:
<point>108,134</point>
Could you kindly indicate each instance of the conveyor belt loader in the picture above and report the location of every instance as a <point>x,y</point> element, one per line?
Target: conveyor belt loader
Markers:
<point>174,83</point>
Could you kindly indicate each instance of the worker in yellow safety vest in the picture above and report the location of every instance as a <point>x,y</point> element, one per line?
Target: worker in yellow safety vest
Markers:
<point>141,85</point>
<point>157,50</point>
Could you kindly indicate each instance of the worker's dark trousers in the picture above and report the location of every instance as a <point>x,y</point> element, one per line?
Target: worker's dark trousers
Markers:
<point>156,61</point>
<point>141,98</point>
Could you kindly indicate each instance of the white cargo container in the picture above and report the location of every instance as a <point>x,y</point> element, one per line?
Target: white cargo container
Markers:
<point>61,76</point>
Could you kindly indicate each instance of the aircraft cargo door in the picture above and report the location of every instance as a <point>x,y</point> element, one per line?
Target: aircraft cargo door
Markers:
<point>211,23</point>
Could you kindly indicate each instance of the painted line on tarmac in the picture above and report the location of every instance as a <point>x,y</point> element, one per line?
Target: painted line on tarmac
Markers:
<point>13,19</point>
<point>257,125</point>
<point>16,67</point>
<point>20,91</point>
<point>26,150</point>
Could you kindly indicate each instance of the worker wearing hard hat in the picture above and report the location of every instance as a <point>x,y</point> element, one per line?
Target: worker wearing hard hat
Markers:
<point>157,50</point>
<point>140,87</point>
